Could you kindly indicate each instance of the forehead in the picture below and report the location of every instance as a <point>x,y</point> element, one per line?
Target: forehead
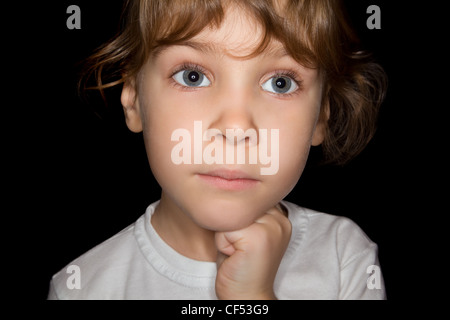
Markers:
<point>238,36</point>
<point>241,29</point>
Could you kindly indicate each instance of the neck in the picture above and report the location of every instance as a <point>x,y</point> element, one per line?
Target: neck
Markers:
<point>181,233</point>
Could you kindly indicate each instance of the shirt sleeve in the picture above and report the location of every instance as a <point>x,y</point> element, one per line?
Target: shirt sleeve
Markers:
<point>360,272</point>
<point>361,278</point>
<point>52,293</point>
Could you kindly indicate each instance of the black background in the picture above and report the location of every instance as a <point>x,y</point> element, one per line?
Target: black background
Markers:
<point>75,175</point>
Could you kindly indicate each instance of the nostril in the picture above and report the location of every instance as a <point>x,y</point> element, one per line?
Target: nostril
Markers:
<point>238,136</point>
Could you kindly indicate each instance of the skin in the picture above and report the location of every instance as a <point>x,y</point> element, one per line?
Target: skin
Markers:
<point>245,231</point>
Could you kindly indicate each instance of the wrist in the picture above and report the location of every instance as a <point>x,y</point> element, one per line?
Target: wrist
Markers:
<point>247,296</point>
<point>263,296</point>
<point>268,297</point>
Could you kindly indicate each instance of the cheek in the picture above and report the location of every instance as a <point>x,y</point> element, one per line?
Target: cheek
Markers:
<point>294,151</point>
<point>213,210</point>
<point>295,143</point>
<point>158,126</point>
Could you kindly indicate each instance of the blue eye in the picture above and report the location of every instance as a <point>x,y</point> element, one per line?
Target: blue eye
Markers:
<point>191,78</point>
<point>280,85</point>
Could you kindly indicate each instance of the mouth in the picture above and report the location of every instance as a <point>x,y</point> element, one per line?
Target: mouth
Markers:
<point>232,180</point>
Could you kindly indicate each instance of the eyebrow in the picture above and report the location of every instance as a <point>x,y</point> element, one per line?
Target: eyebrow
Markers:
<point>203,47</point>
<point>214,49</point>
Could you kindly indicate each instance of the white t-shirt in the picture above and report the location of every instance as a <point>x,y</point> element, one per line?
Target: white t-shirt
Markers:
<point>328,257</point>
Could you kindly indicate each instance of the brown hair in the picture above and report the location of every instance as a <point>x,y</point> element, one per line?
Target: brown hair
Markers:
<point>314,32</point>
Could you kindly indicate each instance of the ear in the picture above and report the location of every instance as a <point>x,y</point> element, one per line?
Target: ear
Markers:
<point>131,107</point>
<point>321,126</point>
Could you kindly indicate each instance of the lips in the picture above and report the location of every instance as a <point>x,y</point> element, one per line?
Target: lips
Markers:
<point>228,179</point>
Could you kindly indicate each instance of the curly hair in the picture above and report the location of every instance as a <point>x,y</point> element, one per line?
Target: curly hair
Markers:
<point>316,33</point>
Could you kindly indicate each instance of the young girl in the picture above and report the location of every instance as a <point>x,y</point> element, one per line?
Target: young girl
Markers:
<point>230,96</point>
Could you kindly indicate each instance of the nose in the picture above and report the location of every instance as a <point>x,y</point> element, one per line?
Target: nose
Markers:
<point>234,111</point>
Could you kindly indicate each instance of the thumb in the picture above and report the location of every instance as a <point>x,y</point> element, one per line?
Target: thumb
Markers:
<point>223,244</point>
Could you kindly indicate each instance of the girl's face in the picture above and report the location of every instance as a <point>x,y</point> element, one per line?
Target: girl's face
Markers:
<point>210,82</point>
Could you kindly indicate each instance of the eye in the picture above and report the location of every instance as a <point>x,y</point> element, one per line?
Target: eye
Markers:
<point>191,78</point>
<point>280,85</point>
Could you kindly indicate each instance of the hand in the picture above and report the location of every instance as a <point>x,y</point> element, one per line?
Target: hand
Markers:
<point>249,258</point>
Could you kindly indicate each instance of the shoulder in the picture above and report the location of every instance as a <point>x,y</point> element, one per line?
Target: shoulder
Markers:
<point>95,268</point>
<point>335,232</point>
<point>337,251</point>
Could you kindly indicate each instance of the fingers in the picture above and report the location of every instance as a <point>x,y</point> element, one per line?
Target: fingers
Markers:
<point>278,215</point>
<point>272,223</point>
<point>248,259</point>
<point>276,226</point>
<point>223,244</point>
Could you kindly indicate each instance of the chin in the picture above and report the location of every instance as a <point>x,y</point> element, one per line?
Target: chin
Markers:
<point>221,216</point>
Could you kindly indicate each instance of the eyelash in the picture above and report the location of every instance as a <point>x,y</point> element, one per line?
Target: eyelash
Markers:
<point>198,68</point>
<point>290,74</point>
<point>187,66</point>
